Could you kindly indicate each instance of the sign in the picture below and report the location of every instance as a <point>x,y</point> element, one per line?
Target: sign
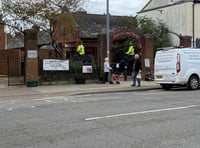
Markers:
<point>126,33</point>
<point>55,64</point>
<point>147,62</point>
<point>87,69</point>
<point>32,54</point>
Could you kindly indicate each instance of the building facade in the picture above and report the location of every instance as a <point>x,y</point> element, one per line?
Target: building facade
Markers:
<point>180,16</point>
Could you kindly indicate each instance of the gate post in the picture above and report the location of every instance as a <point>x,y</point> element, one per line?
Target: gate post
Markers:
<point>185,41</point>
<point>31,58</point>
<point>147,58</point>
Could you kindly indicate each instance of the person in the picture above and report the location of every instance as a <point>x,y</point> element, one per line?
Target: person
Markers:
<point>80,49</point>
<point>106,69</point>
<point>131,50</point>
<point>136,69</point>
<point>129,57</point>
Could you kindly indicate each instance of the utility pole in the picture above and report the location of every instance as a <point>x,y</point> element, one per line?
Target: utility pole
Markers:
<point>107,30</point>
<point>193,21</point>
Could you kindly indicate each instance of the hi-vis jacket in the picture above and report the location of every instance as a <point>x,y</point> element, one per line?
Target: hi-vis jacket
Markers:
<point>131,50</point>
<point>81,49</point>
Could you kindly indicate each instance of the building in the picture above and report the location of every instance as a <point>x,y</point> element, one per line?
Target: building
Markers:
<point>70,29</point>
<point>180,16</point>
<point>73,28</point>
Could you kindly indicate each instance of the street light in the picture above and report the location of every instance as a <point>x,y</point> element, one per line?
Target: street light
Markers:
<point>107,30</point>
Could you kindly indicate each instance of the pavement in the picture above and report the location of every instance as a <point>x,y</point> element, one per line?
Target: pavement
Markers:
<point>43,91</point>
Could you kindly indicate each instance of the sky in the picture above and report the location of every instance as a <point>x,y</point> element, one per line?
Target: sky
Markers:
<point>116,7</point>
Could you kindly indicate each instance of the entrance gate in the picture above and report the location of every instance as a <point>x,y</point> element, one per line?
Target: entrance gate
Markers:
<point>16,68</point>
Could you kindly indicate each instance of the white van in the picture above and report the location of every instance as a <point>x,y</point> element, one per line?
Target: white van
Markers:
<point>177,67</point>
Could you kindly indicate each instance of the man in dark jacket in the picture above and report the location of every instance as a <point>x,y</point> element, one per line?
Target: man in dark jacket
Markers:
<point>137,67</point>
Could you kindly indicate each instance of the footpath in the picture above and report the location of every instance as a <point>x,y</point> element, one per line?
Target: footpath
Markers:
<point>41,91</point>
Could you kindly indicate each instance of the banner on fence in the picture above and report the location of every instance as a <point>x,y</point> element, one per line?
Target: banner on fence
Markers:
<point>87,69</point>
<point>55,64</point>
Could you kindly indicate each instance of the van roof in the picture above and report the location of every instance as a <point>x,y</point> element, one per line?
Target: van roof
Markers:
<point>167,48</point>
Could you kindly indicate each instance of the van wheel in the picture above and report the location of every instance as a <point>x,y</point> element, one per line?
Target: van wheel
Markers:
<point>166,87</point>
<point>193,82</point>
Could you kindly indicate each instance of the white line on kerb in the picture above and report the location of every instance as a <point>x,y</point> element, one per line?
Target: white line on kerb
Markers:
<point>142,112</point>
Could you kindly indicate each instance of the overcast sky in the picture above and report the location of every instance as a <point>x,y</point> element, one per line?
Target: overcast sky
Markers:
<point>116,7</point>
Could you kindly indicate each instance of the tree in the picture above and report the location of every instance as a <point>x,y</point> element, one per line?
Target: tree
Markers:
<point>23,14</point>
<point>142,26</point>
<point>148,26</point>
<point>158,29</point>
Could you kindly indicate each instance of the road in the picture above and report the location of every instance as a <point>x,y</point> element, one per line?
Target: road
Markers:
<point>143,119</point>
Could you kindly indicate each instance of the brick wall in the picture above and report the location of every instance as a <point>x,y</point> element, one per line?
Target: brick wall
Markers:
<point>147,57</point>
<point>185,41</point>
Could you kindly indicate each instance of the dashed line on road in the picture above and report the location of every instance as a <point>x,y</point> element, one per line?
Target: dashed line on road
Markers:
<point>9,109</point>
<point>49,101</point>
<point>141,112</point>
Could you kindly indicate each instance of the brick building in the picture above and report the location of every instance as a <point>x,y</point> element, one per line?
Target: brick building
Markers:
<point>72,28</point>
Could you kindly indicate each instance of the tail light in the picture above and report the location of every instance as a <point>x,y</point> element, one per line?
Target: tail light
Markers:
<point>178,63</point>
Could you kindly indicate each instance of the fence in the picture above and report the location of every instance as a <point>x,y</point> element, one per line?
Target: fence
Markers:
<point>69,76</point>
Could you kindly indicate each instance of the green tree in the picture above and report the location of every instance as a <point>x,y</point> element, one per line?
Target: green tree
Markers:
<point>158,29</point>
<point>19,15</point>
<point>148,26</point>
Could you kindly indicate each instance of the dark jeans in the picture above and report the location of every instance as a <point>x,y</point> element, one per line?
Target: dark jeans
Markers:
<point>135,79</point>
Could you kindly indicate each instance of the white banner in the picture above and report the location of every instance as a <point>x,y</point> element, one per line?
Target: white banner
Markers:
<point>55,64</point>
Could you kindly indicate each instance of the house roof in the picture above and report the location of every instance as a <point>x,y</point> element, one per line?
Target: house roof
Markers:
<point>18,42</point>
<point>90,26</point>
<point>156,4</point>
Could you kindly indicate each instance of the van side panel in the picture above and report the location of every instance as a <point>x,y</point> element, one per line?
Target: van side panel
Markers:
<point>165,66</point>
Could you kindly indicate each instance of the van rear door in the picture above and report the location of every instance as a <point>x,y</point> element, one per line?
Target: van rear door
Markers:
<point>166,66</point>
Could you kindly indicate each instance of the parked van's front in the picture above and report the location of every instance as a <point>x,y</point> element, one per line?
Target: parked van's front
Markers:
<point>177,67</point>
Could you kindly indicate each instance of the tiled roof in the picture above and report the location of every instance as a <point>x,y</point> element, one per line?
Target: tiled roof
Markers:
<point>18,42</point>
<point>90,26</point>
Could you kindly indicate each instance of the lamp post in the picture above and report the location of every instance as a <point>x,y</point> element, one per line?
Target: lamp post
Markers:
<point>193,23</point>
<point>107,30</point>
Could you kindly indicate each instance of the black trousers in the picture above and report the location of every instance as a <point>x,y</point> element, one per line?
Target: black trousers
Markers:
<point>106,76</point>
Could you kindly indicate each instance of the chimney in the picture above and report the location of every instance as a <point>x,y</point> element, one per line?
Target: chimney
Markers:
<point>35,27</point>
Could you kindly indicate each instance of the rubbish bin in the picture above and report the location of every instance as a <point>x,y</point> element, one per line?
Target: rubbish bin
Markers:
<point>32,83</point>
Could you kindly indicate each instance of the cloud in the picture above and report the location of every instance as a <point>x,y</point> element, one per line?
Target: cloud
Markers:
<point>116,7</point>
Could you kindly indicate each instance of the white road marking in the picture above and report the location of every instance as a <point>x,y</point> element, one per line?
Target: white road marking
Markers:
<point>48,101</point>
<point>141,112</point>
<point>9,109</point>
<point>37,99</point>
